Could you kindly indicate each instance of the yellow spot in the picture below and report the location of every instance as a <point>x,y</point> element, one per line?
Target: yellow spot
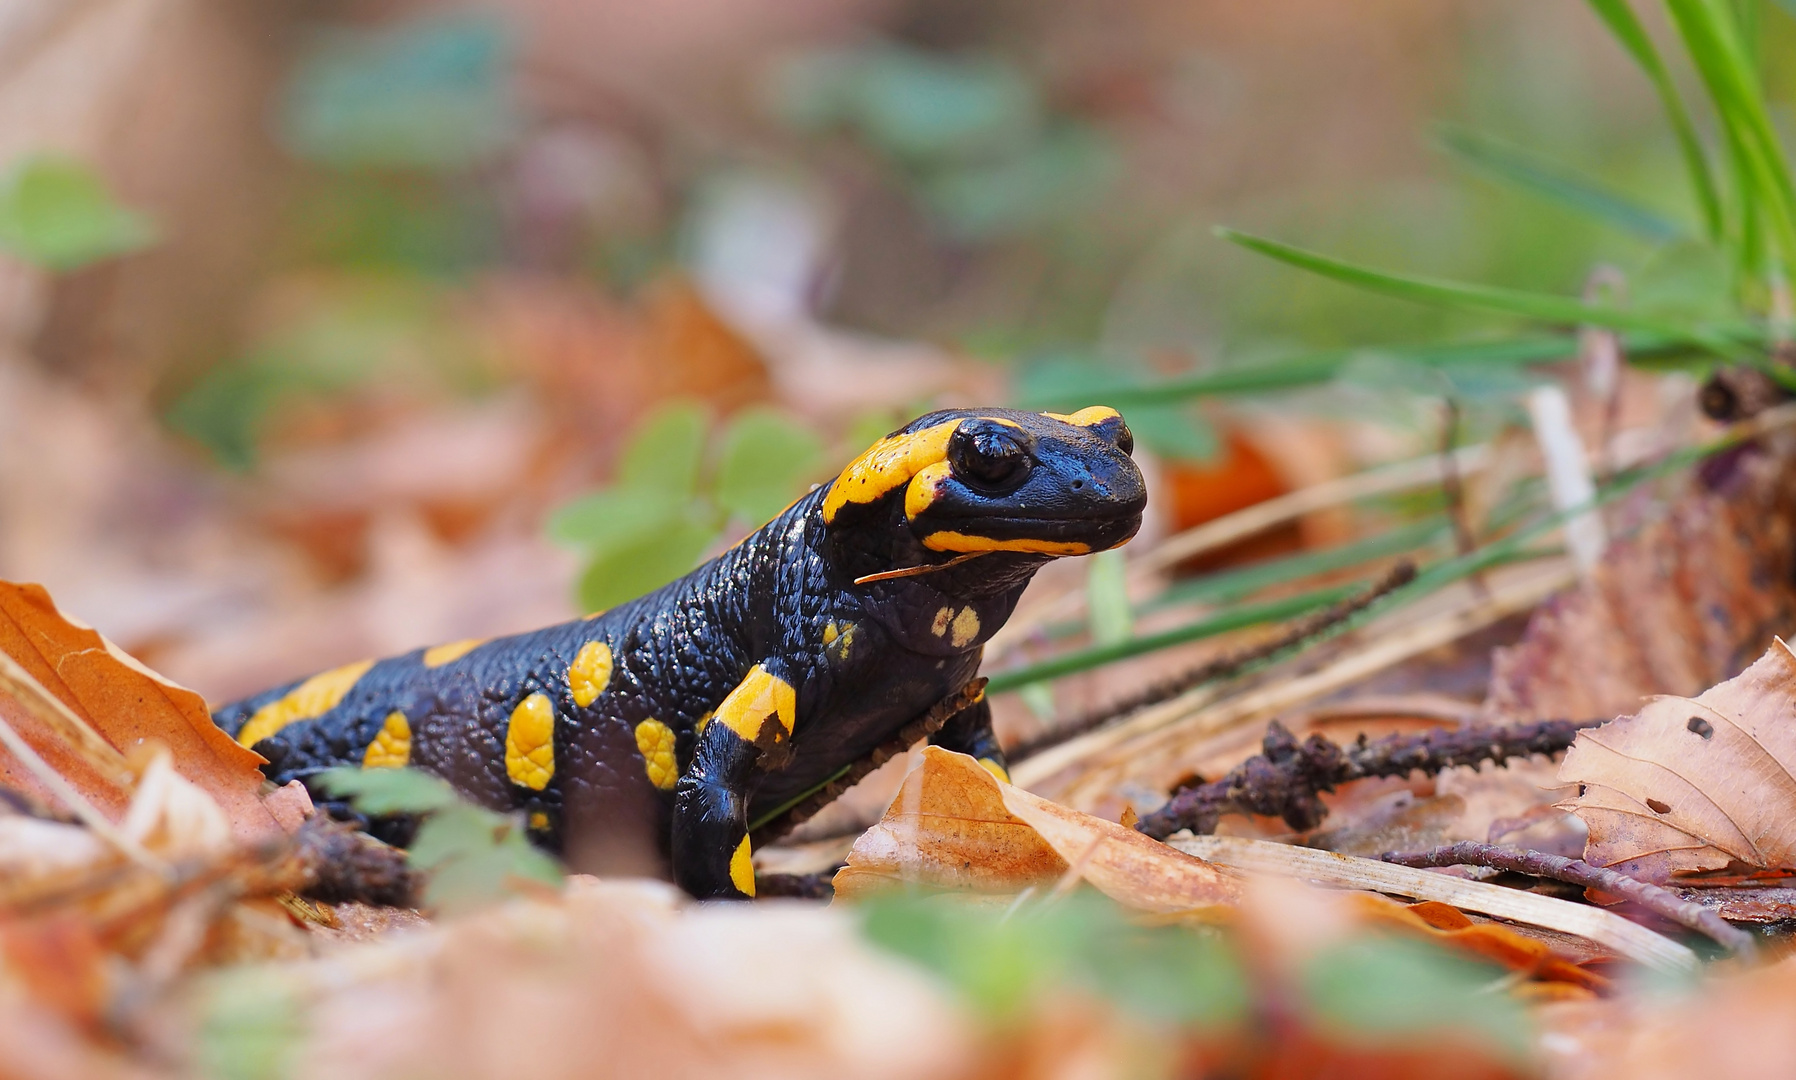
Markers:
<point>742,868</point>
<point>392,747</point>
<point>656,741</point>
<point>1089,416</point>
<point>760,695</point>
<point>539,820</point>
<point>925,487</point>
<point>438,655</point>
<point>943,617</point>
<point>597,613</point>
<point>314,697</point>
<point>830,632</point>
<point>886,465</point>
<point>590,673</point>
<point>995,769</point>
<point>703,722</point>
<point>966,627</point>
<point>530,743</point>
<point>955,541</point>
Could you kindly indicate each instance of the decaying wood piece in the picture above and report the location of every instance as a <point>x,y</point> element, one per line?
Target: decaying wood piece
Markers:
<point>1694,783</point>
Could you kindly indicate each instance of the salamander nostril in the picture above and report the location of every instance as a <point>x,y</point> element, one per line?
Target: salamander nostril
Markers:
<point>1077,484</point>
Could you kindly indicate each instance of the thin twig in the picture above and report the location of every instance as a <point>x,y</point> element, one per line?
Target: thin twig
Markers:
<point>1331,868</point>
<point>1577,872</point>
<point>1223,666</point>
<point>1286,778</point>
<point>807,806</point>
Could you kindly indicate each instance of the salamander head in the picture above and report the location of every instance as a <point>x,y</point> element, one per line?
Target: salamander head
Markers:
<point>972,481</point>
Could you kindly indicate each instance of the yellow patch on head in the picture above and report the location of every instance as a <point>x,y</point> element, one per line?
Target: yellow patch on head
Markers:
<point>391,748</point>
<point>438,655</point>
<point>1089,416</point>
<point>925,487</point>
<point>742,868</point>
<point>760,695</point>
<point>314,697</point>
<point>943,617</point>
<point>887,465</point>
<point>830,632</point>
<point>539,821</point>
<point>656,741</point>
<point>962,542</point>
<point>995,769</point>
<point>965,628</point>
<point>530,743</point>
<point>590,673</point>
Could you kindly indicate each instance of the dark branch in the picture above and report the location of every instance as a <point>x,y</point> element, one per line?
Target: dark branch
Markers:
<point>1223,666</point>
<point>1577,872</point>
<point>1285,778</point>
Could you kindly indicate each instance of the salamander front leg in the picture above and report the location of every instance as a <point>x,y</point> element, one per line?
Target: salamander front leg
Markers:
<point>748,735</point>
<point>969,732</point>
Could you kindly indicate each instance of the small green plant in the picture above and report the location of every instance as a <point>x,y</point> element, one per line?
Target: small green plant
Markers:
<point>678,487</point>
<point>57,215</point>
<point>1005,964</point>
<point>1367,989</point>
<point>470,853</point>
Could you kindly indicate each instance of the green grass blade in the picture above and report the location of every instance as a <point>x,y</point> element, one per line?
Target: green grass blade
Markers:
<point>1544,307</point>
<point>1714,39</point>
<point>1236,618</point>
<point>1626,27</point>
<point>1314,369</point>
<point>1548,179</point>
<point>1517,546</point>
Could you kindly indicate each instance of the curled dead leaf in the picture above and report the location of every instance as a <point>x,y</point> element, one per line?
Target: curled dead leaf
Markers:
<point>955,826</point>
<point>124,704</point>
<point>1692,784</point>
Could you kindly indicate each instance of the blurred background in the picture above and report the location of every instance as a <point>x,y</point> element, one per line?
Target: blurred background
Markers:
<point>334,329</point>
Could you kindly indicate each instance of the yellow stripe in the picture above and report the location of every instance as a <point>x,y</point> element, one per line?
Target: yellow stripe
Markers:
<point>314,697</point>
<point>438,655</point>
<point>954,541</point>
<point>742,868</point>
<point>530,743</point>
<point>1087,417</point>
<point>887,465</point>
<point>590,673</point>
<point>759,696</point>
<point>392,748</point>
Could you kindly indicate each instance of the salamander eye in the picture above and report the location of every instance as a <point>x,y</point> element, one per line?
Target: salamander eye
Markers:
<point>987,455</point>
<point>1125,439</point>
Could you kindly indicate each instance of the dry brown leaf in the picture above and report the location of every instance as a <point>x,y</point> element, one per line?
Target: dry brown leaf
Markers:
<point>625,979</point>
<point>954,826</point>
<point>1694,783</point>
<point>1685,602</point>
<point>128,705</point>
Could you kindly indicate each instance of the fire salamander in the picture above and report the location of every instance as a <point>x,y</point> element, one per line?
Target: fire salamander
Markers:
<point>646,738</point>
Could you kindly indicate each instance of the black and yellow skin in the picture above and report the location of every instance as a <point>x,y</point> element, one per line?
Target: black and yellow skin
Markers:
<point>647,738</point>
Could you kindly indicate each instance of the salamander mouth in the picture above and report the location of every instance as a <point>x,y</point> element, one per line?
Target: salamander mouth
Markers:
<point>1040,535</point>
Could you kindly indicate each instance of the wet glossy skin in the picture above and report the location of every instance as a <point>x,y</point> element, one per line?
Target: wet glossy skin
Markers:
<point>753,678</point>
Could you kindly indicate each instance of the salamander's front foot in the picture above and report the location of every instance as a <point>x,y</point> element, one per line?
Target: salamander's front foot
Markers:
<point>711,854</point>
